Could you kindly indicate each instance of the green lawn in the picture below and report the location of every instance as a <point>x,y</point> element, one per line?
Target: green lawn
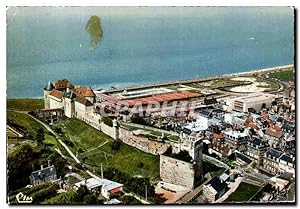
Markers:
<point>24,120</point>
<point>243,193</point>
<point>287,75</point>
<point>94,148</point>
<point>25,104</point>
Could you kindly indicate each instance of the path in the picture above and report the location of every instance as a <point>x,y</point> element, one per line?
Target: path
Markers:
<point>94,148</point>
<point>20,135</point>
<point>45,125</point>
<point>75,175</point>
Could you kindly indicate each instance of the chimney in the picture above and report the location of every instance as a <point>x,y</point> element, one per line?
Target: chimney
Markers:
<point>42,167</point>
<point>48,163</point>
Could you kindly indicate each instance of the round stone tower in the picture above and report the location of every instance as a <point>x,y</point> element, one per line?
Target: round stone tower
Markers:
<point>47,90</point>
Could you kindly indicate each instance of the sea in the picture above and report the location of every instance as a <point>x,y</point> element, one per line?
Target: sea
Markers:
<point>142,45</point>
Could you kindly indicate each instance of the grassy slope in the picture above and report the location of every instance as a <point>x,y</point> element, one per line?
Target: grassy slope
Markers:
<point>243,193</point>
<point>30,125</point>
<point>125,159</point>
<point>287,75</point>
<point>25,104</point>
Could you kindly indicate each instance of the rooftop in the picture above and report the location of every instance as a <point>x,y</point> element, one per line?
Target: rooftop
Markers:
<point>62,84</point>
<point>49,86</point>
<point>235,134</point>
<point>174,96</point>
<point>56,93</point>
<point>40,174</point>
<point>217,184</point>
<point>94,183</point>
<point>274,153</point>
<point>253,97</point>
<point>84,91</point>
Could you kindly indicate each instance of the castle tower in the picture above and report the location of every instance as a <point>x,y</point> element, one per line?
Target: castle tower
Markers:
<point>196,154</point>
<point>47,90</point>
<point>69,104</point>
<point>116,129</point>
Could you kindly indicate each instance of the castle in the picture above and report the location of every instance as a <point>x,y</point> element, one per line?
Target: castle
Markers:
<point>72,99</point>
<point>78,102</point>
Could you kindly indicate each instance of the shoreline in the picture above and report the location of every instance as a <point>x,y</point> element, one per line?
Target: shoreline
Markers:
<point>193,80</point>
<point>186,81</point>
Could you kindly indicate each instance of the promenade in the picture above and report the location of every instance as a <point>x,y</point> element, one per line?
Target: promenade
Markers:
<point>188,81</point>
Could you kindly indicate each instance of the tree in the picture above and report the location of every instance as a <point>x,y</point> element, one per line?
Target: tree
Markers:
<point>127,200</point>
<point>107,121</point>
<point>115,145</point>
<point>90,199</point>
<point>20,167</point>
<point>140,165</point>
<point>40,136</point>
<point>81,193</point>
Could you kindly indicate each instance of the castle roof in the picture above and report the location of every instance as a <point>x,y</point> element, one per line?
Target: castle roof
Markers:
<point>70,95</point>
<point>49,86</point>
<point>56,93</point>
<point>85,91</point>
<point>62,84</point>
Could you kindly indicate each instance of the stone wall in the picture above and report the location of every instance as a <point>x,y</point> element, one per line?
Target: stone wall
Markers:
<point>176,171</point>
<point>142,142</point>
<point>91,118</point>
<point>108,130</point>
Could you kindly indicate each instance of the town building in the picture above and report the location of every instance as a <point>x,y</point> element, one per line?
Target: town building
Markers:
<point>105,186</point>
<point>256,149</point>
<point>44,175</point>
<point>187,173</point>
<point>255,101</point>
<point>215,188</point>
<point>276,162</point>
<point>236,139</point>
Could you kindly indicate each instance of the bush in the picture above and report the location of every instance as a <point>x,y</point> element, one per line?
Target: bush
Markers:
<point>115,145</point>
<point>90,199</point>
<point>140,165</point>
<point>129,200</point>
<point>133,184</point>
<point>139,120</point>
<point>107,121</point>
<point>44,194</point>
<point>63,198</point>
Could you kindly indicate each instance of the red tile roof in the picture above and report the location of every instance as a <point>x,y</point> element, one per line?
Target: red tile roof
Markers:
<point>273,132</point>
<point>84,91</point>
<point>59,84</point>
<point>218,136</point>
<point>56,93</point>
<point>174,96</point>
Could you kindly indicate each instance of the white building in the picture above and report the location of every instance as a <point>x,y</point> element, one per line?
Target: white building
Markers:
<point>105,186</point>
<point>251,101</point>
